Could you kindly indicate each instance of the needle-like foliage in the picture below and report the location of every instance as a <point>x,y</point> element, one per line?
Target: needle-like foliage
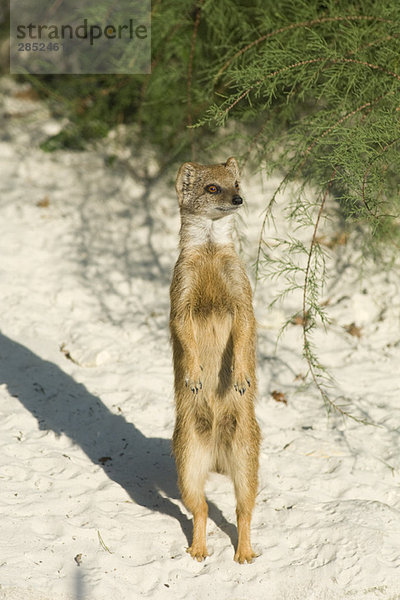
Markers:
<point>309,89</point>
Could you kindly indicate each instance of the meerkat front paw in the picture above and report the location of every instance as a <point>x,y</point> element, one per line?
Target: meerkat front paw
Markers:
<point>193,380</point>
<point>241,381</point>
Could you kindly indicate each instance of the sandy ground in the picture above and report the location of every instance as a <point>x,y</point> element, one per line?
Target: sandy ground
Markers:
<point>88,496</point>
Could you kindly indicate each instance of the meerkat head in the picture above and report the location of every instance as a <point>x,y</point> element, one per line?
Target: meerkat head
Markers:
<point>209,190</point>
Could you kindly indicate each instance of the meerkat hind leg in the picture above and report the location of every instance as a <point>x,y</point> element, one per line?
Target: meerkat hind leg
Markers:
<point>245,484</point>
<point>192,477</point>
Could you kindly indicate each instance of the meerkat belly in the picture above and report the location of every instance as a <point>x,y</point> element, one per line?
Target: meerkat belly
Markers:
<point>214,342</point>
<point>213,311</point>
<point>216,414</point>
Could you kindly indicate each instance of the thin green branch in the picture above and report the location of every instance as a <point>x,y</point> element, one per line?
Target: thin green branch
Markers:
<point>315,369</point>
<point>189,77</point>
<point>364,183</point>
<point>309,24</point>
<point>310,61</point>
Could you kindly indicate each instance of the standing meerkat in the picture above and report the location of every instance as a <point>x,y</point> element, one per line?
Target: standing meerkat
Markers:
<point>213,333</point>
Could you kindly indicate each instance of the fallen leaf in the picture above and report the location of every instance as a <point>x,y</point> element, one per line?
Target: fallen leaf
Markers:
<point>44,203</point>
<point>300,377</point>
<point>102,544</point>
<point>78,559</point>
<point>67,354</point>
<point>300,319</point>
<point>353,330</point>
<point>279,396</point>
<point>338,239</point>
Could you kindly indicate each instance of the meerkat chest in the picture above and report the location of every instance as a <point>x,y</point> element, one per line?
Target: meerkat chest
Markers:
<point>215,284</point>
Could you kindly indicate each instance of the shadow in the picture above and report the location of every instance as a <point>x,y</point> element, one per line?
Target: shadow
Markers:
<point>142,465</point>
<point>79,586</point>
<point>225,373</point>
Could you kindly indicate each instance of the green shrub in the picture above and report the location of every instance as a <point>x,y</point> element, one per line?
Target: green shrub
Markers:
<point>308,89</point>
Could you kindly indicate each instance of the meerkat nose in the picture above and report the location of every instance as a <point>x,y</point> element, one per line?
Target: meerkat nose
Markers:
<point>237,200</point>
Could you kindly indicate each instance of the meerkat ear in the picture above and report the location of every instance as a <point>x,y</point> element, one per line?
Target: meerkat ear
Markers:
<point>185,181</point>
<point>233,166</point>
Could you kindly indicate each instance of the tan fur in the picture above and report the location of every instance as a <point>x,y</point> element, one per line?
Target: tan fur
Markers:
<point>213,333</point>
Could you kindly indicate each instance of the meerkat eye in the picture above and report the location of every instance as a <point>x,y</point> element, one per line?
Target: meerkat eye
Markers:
<point>213,189</point>
<point>237,186</point>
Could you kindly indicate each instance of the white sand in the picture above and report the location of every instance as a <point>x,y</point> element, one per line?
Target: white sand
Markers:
<point>87,404</point>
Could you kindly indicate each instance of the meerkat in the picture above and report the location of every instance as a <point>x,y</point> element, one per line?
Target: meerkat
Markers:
<point>213,333</point>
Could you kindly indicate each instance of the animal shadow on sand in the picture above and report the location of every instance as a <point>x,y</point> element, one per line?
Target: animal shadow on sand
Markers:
<point>142,465</point>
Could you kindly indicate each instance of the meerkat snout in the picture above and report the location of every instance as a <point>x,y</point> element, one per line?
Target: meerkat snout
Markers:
<point>237,200</point>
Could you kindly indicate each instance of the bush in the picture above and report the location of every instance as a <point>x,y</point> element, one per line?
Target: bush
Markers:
<point>306,88</point>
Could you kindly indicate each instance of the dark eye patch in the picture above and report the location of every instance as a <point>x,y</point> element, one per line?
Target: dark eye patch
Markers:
<point>237,186</point>
<point>213,188</point>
